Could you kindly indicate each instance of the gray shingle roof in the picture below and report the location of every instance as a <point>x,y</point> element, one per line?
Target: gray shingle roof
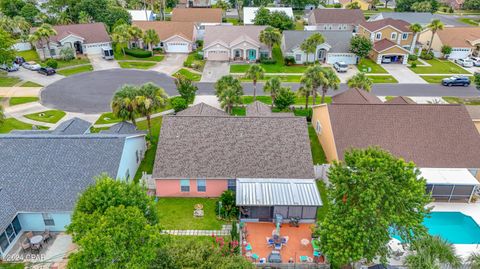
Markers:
<point>7,209</point>
<point>338,40</point>
<point>73,126</point>
<point>233,147</point>
<point>202,109</point>
<point>122,128</point>
<point>259,109</point>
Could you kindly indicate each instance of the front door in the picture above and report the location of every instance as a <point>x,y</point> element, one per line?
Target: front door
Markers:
<point>78,47</point>
<point>252,55</point>
<point>321,55</point>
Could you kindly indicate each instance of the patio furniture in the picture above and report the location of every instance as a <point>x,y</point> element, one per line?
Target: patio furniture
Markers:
<point>248,247</point>
<point>306,259</point>
<point>263,260</point>
<point>26,245</point>
<point>254,257</point>
<point>29,235</point>
<point>36,240</point>
<point>35,247</point>
<point>304,242</point>
<point>278,246</point>
<point>270,241</point>
<point>285,240</point>
<point>46,236</point>
<point>275,257</point>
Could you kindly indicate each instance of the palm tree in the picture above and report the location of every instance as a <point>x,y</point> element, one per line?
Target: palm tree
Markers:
<point>415,28</point>
<point>151,37</point>
<point>83,17</point>
<point>434,26</point>
<point>43,33</point>
<point>360,82</point>
<point>124,103</point>
<point>64,19</point>
<point>229,92</point>
<point>2,115</point>
<point>305,90</point>
<point>20,23</point>
<point>255,72</point>
<point>474,261</point>
<point>315,77</point>
<point>223,5</point>
<point>309,45</point>
<point>150,99</point>
<point>121,36</point>
<point>430,252</point>
<point>331,82</point>
<point>272,86</point>
<point>270,36</point>
<point>135,33</point>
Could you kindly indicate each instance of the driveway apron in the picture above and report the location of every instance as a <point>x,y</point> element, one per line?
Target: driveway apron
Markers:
<point>214,70</point>
<point>403,74</point>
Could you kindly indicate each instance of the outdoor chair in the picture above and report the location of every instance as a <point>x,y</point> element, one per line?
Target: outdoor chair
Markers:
<point>29,235</point>
<point>285,240</point>
<point>26,245</point>
<point>270,241</point>
<point>35,247</point>
<point>46,236</point>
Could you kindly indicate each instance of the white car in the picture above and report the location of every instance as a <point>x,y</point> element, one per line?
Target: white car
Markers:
<point>9,68</point>
<point>31,66</point>
<point>464,62</point>
<point>341,67</point>
<point>475,60</point>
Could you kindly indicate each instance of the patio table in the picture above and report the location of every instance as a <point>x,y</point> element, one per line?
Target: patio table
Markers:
<point>305,242</point>
<point>36,239</point>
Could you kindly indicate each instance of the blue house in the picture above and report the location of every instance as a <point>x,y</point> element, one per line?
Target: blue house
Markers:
<point>42,173</point>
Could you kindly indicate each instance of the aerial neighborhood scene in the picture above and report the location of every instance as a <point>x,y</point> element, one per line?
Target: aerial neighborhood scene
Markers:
<point>240,134</point>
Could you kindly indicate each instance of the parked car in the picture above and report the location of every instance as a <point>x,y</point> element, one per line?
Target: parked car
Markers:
<point>19,60</point>
<point>107,54</point>
<point>31,66</point>
<point>47,71</point>
<point>464,62</point>
<point>456,81</point>
<point>341,67</point>
<point>475,60</point>
<point>9,67</point>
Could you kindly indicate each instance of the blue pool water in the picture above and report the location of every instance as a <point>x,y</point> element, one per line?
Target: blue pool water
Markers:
<point>454,227</point>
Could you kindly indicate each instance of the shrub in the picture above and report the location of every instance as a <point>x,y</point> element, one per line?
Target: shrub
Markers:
<point>337,5</point>
<point>52,63</point>
<point>268,61</point>
<point>198,56</point>
<point>302,112</point>
<point>138,53</point>
<point>476,80</point>
<point>67,54</point>
<point>289,60</point>
<point>199,43</point>
<point>178,103</point>
<point>413,65</point>
<point>228,208</point>
<point>426,56</point>
<point>446,50</point>
<point>412,57</point>
<point>285,98</point>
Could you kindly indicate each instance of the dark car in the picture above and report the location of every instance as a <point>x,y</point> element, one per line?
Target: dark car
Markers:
<point>19,60</point>
<point>47,71</point>
<point>456,81</point>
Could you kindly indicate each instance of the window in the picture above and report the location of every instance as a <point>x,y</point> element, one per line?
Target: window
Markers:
<point>48,220</point>
<point>404,36</point>
<point>318,127</point>
<point>4,242</point>
<point>201,185</point>
<point>127,175</point>
<point>52,52</point>
<point>185,185</point>
<point>298,57</point>
<point>378,36</point>
<point>264,54</point>
<point>232,185</point>
<point>136,155</point>
<point>393,36</point>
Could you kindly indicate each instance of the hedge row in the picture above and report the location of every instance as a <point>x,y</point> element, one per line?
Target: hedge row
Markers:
<point>138,53</point>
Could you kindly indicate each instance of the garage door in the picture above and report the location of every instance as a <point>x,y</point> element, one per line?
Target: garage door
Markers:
<point>459,54</point>
<point>217,55</point>
<point>348,58</point>
<point>179,47</point>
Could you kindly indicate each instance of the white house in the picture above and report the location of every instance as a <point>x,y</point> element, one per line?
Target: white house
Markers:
<point>249,13</point>
<point>175,37</point>
<point>142,15</point>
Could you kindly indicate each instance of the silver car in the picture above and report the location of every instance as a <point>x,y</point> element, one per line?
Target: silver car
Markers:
<point>341,67</point>
<point>9,68</point>
<point>31,66</point>
<point>464,62</point>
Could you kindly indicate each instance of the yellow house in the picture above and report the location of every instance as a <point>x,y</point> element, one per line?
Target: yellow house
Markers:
<point>392,40</point>
<point>364,5</point>
<point>464,41</point>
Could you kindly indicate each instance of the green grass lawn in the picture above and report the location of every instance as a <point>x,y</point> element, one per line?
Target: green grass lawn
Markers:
<point>283,78</point>
<point>13,124</point>
<point>471,101</point>
<point>233,21</point>
<point>75,70</point>
<point>369,66</point>
<point>434,79</point>
<point>8,81</point>
<point>383,79</point>
<point>29,55</point>
<point>49,116</point>
<point>239,111</point>
<point>62,64</point>
<point>98,129</point>
<point>322,211</point>
<point>439,67</point>
<point>11,265</point>
<point>299,25</point>
<point>317,151</point>
<point>13,101</point>
<point>154,58</point>
<point>137,65</point>
<point>469,21</point>
<point>188,74</point>
<point>248,99</point>
<point>149,159</point>
<point>177,214</point>
<point>107,118</point>
<point>30,84</point>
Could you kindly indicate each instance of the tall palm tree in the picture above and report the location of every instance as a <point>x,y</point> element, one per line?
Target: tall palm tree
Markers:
<point>84,17</point>
<point>331,82</point>
<point>430,252</point>
<point>151,37</point>
<point>315,77</point>
<point>22,25</point>
<point>309,45</point>
<point>124,104</point>
<point>474,261</point>
<point>360,82</point>
<point>150,99</point>
<point>434,26</point>
<point>223,5</point>
<point>272,86</point>
<point>415,28</point>
<point>255,72</point>
<point>229,92</point>
<point>305,90</point>
<point>121,36</point>
<point>43,34</point>
<point>270,36</point>
<point>135,33</point>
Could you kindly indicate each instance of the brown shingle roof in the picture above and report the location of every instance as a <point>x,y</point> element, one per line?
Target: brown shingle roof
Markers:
<point>376,25</point>
<point>232,147</point>
<point>355,96</point>
<point>400,100</point>
<point>167,29</point>
<point>474,112</point>
<point>259,109</point>
<point>459,36</point>
<point>202,109</point>
<point>197,14</point>
<point>347,16</point>
<point>383,45</point>
<point>436,136</point>
<point>90,32</point>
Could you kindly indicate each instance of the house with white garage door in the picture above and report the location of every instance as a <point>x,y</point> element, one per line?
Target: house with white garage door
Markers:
<point>336,47</point>
<point>88,38</point>
<point>175,37</point>
<point>234,43</point>
<point>465,41</point>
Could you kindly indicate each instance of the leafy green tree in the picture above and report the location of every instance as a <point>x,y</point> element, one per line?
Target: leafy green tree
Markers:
<point>178,103</point>
<point>361,82</point>
<point>474,261</point>
<point>272,86</point>
<point>226,206</point>
<point>430,252</point>
<point>434,26</point>
<point>255,72</point>
<point>123,103</point>
<point>331,82</point>
<point>425,6</point>
<point>361,46</point>
<point>42,35</point>
<point>446,50</point>
<point>409,5</point>
<point>262,16</point>
<point>29,11</point>
<point>223,5</point>
<point>150,98</point>
<point>11,8</point>
<point>270,36</point>
<point>371,192</point>
<point>7,53</point>
<point>305,90</point>
<point>67,53</point>
<point>315,77</point>
<point>114,14</point>
<point>84,17</point>
<point>471,5</point>
<point>280,20</point>
<point>229,92</point>
<point>476,78</point>
<point>186,88</point>
<point>353,5</point>
<point>151,37</point>
<point>64,19</point>
<point>121,36</point>
<point>285,98</point>
<point>135,34</point>
<point>310,45</point>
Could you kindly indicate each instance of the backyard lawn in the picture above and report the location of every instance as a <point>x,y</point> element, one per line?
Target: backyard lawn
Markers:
<point>439,67</point>
<point>13,124</point>
<point>239,111</point>
<point>8,81</point>
<point>136,65</point>
<point>383,79</point>
<point>177,214</point>
<point>49,116</point>
<point>434,79</point>
<point>149,159</point>
<point>322,211</point>
<point>188,74</point>
<point>30,84</point>
<point>317,151</point>
<point>472,101</point>
<point>75,70</point>
<point>233,21</point>
<point>13,101</point>
<point>369,66</point>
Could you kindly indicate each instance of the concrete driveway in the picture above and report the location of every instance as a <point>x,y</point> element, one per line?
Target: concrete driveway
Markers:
<point>171,64</point>
<point>99,63</point>
<point>403,74</point>
<point>214,70</point>
<point>34,76</point>
<point>352,71</point>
